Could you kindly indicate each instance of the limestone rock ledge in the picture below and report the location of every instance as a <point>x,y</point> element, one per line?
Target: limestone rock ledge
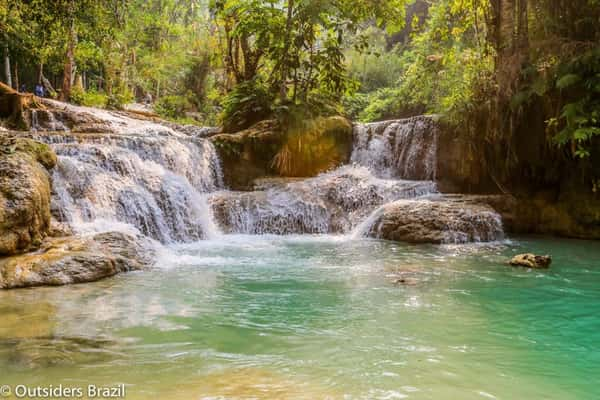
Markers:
<point>25,191</point>
<point>76,259</point>
<point>438,222</point>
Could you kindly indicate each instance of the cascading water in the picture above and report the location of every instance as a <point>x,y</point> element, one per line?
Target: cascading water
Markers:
<point>402,149</point>
<point>333,202</point>
<point>392,160</point>
<point>407,149</point>
<point>165,181</point>
<point>34,121</point>
<point>149,178</point>
<point>121,181</point>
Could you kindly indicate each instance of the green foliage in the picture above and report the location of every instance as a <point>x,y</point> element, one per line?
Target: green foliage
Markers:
<point>579,120</point>
<point>375,68</point>
<point>118,98</point>
<point>248,103</point>
<point>91,98</point>
<point>567,81</point>
<point>388,103</point>
<point>440,71</point>
<point>295,47</point>
<point>172,106</point>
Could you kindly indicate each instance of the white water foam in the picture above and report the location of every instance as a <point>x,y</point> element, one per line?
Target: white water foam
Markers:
<point>402,149</point>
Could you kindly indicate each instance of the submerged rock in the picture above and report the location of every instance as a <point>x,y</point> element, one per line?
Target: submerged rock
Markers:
<point>25,192</point>
<point>531,261</point>
<point>62,261</point>
<point>435,221</point>
<point>53,350</point>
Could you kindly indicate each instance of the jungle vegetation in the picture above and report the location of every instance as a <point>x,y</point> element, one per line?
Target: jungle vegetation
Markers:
<point>520,79</point>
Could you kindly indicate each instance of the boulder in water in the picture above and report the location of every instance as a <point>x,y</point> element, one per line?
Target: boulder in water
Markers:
<point>437,221</point>
<point>529,260</point>
<point>24,193</point>
<point>62,261</point>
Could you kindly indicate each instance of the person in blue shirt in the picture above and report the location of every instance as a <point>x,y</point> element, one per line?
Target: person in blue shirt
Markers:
<point>39,90</point>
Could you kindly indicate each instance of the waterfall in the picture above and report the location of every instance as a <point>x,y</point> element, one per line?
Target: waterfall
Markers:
<point>165,181</point>
<point>44,120</point>
<point>155,184</point>
<point>403,149</point>
<point>407,149</point>
<point>34,121</point>
<point>52,124</point>
<point>333,202</point>
<point>134,176</point>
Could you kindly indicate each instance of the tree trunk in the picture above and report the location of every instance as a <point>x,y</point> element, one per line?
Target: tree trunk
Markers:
<point>40,74</point>
<point>495,36</point>
<point>78,82</point>
<point>522,27</point>
<point>288,42</point>
<point>48,87</point>
<point>14,106</point>
<point>16,75</point>
<point>507,25</point>
<point>69,59</point>
<point>7,74</point>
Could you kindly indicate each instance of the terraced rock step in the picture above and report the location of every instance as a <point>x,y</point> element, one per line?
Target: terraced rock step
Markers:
<point>62,261</point>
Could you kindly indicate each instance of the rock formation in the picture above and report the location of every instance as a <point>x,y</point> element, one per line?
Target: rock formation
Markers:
<point>68,260</point>
<point>531,261</point>
<point>436,221</point>
<point>25,192</point>
<point>265,150</point>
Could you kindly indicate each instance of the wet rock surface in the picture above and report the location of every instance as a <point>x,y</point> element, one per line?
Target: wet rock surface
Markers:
<point>48,351</point>
<point>264,150</point>
<point>531,261</point>
<point>25,192</point>
<point>436,221</point>
<point>62,261</point>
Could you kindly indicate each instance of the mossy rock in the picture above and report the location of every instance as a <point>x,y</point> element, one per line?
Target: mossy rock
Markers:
<point>40,152</point>
<point>322,145</point>
<point>266,150</point>
<point>25,192</point>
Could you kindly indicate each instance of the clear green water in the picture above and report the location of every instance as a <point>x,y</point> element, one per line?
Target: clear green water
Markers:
<point>320,317</point>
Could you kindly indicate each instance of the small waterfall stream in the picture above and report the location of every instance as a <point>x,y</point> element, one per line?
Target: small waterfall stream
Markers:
<point>333,202</point>
<point>401,149</point>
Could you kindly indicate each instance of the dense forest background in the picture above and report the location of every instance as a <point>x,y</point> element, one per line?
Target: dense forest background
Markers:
<point>519,80</point>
